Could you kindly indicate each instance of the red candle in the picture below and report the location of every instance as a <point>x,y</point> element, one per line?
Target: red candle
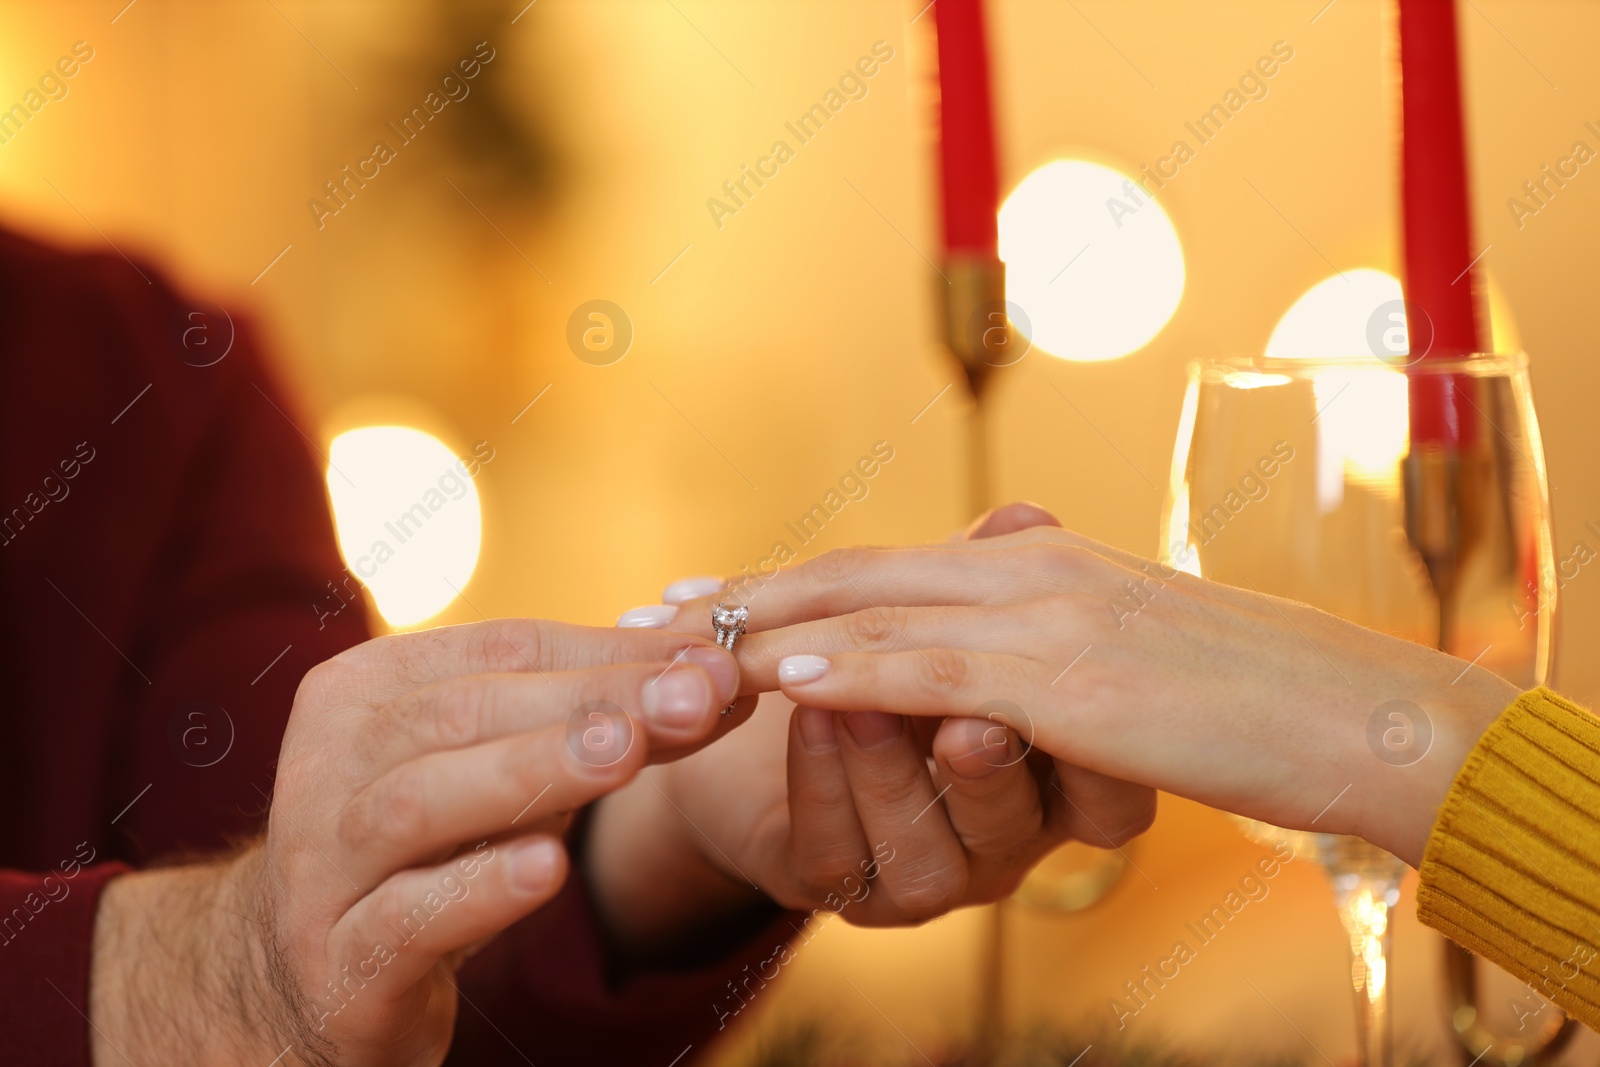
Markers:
<point>1437,219</point>
<point>969,179</point>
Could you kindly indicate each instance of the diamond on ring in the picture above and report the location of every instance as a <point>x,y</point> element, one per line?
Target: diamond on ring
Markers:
<point>729,622</point>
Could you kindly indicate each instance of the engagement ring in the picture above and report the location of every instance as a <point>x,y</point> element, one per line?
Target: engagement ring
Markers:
<point>729,621</point>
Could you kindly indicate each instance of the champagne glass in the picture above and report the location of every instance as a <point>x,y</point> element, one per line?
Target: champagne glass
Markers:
<point>1288,478</point>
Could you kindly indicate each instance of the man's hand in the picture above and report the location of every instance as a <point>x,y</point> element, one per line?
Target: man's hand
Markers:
<point>422,784</point>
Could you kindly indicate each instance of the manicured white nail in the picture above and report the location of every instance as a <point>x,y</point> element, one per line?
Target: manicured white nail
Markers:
<point>798,669</point>
<point>686,589</point>
<point>649,617</point>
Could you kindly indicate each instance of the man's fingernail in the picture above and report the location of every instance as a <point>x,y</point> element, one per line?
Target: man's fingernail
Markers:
<point>872,728</point>
<point>649,617</point>
<point>816,729</point>
<point>533,865</point>
<point>985,747</point>
<point>686,589</point>
<point>678,698</point>
<point>720,664</point>
<point>796,670</point>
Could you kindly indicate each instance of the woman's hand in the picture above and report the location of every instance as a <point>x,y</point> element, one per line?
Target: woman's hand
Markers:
<point>1133,670</point>
<point>423,782</point>
<point>883,818</point>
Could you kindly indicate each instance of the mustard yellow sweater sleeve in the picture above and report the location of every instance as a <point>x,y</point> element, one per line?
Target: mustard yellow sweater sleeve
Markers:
<point>1512,868</point>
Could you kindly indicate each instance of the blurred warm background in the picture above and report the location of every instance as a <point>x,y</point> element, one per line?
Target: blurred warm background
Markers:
<point>771,352</point>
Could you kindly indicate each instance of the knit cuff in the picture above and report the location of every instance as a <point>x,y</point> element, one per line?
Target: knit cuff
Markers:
<point>46,944</point>
<point>1512,868</point>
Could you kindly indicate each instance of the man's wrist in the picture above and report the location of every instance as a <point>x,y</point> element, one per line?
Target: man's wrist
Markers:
<point>179,969</point>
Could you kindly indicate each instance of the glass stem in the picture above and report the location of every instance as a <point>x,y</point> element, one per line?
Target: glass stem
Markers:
<point>1365,896</point>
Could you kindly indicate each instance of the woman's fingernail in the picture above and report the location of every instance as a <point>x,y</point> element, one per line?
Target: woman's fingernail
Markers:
<point>872,728</point>
<point>678,698</point>
<point>720,664</point>
<point>816,729</point>
<point>796,670</point>
<point>686,589</point>
<point>533,865</point>
<point>649,617</point>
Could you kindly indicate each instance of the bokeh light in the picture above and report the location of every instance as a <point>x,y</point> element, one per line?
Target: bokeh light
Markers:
<point>1331,320</point>
<point>408,516</point>
<point>1363,425</point>
<point>1363,429</point>
<point>1091,258</point>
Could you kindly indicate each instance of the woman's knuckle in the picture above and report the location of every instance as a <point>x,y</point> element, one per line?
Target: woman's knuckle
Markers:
<point>949,668</point>
<point>875,629</point>
<point>837,566</point>
<point>1043,554</point>
<point>1071,560</point>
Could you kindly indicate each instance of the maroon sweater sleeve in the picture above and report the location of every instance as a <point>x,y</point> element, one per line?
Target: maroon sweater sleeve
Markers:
<point>544,992</point>
<point>45,940</point>
<point>168,573</point>
<point>165,544</point>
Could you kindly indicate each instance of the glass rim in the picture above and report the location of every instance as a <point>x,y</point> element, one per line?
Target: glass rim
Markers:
<point>1476,364</point>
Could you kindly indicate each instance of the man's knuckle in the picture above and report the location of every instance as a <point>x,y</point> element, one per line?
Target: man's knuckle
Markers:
<point>456,714</point>
<point>393,813</point>
<point>321,685</point>
<point>411,659</point>
<point>504,645</point>
<point>391,907</point>
<point>354,823</point>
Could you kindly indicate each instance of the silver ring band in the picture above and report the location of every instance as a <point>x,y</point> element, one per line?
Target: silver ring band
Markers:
<point>728,622</point>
